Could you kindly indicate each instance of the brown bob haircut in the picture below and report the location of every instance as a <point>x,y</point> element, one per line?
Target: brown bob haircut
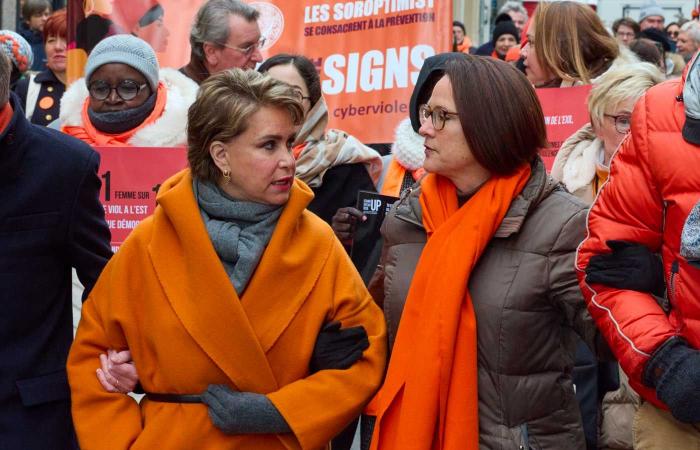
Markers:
<point>225,102</point>
<point>571,41</point>
<point>499,112</point>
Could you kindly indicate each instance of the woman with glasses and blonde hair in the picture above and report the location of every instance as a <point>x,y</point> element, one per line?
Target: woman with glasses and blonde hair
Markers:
<point>568,45</point>
<point>478,266</point>
<point>125,99</point>
<point>583,161</point>
<point>221,294</point>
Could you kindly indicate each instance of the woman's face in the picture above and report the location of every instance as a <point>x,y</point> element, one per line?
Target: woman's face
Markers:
<point>55,48</point>
<point>156,34</point>
<point>534,70</point>
<point>37,21</point>
<point>611,133</point>
<point>289,74</point>
<point>260,159</point>
<point>673,31</point>
<point>504,43</point>
<point>113,74</point>
<point>458,34</point>
<point>446,151</point>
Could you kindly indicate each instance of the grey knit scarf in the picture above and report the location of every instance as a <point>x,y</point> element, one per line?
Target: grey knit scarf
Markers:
<point>239,230</point>
<point>116,122</point>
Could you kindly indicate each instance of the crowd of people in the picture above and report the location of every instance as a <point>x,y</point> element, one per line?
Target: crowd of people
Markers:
<point>505,305</point>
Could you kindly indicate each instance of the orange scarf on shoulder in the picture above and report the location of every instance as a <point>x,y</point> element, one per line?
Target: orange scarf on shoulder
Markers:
<point>5,116</point>
<point>429,400</point>
<point>91,135</point>
<point>394,178</point>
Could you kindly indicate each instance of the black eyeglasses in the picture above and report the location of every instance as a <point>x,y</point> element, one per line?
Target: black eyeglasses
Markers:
<point>674,34</point>
<point>623,122</point>
<point>438,116</point>
<point>300,95</point>
<point>126,89</point>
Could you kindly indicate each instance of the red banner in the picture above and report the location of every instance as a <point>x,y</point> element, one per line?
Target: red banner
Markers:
<point>131,177</point>
<point>565,112</point>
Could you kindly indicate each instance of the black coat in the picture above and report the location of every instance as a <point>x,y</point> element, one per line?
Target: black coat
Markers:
<point>48,102</point>
<point>51,220</point>
<point>339,189</point>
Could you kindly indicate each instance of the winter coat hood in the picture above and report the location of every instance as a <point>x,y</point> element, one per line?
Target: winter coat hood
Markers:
<point>170,130</point>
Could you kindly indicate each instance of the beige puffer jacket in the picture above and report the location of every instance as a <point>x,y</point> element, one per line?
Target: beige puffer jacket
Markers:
<point>528,308</point>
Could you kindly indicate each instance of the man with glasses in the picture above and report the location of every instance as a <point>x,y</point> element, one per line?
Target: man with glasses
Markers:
<point>625,30</point>
<point>51,220</point>
<point>225,35</point>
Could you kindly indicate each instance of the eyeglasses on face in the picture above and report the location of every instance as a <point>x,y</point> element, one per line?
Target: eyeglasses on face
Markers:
<point>674,34</point>
<point>300,95</point>
<point>623,122</point>
<point>126,89</point>
<point>437,116</point>
<point>249,50</point>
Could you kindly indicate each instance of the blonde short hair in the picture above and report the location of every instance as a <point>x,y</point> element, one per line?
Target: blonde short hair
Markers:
<point>620,84</point>
<point>571,42</point>
<point>225,102</point>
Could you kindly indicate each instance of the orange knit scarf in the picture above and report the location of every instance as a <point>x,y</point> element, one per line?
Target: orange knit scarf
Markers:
<point>91,135</point>
<point>429,400</point>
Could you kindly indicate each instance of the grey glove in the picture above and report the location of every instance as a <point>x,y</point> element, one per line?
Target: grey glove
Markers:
<point>243,412</point>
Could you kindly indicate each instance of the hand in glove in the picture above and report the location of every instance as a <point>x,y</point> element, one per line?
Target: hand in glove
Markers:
<point>630,266</point>
<point>338,348</point>
<point>243,412</point>
<point>674,371</point>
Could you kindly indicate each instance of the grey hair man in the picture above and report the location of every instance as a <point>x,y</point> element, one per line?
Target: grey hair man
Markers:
<point>689,40</point>
<point>225,35</point>
<point>517,12</point>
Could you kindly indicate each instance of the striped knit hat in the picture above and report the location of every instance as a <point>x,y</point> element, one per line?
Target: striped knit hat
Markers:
<point>17,49</point>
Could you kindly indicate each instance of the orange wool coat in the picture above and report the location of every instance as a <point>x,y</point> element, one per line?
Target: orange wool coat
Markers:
<point>166,297</point>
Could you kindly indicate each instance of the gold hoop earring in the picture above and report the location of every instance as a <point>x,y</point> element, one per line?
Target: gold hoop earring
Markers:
<point>227,175</point>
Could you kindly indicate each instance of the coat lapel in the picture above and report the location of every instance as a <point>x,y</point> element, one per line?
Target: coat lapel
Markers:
<point>288,270</point>
<point>200,292</point>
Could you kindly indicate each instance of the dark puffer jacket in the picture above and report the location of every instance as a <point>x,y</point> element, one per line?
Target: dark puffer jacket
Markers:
<point>528,308</point>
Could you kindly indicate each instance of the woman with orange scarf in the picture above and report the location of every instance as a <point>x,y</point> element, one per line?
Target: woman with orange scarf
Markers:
<point>478,266</point>
<point>125,99</point>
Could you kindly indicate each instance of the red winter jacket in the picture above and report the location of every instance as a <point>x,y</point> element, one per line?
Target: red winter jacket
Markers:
<point>654,183</point>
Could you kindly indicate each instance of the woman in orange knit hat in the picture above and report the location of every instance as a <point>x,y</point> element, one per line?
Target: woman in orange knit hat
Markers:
<point>477,279</point>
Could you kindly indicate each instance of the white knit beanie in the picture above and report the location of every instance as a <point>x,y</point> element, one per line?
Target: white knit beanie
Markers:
<point>125,49</point>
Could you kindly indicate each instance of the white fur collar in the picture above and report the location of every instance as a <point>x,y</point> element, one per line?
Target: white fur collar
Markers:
<point>169,130</point>
<point>408,149</point>
<point>575,163</point>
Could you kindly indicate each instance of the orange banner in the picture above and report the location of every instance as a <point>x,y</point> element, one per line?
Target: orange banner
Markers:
<point>368,52</point>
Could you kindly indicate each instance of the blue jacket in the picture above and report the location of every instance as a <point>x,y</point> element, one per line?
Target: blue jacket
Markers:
<point>51,220</point>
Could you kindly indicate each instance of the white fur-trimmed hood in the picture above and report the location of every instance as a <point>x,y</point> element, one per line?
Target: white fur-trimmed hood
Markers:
<point>575,163</point>
<point>408,148</point>
<point>169,130</point>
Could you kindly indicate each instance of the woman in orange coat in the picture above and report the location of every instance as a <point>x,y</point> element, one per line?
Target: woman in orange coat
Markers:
<point>221,293</point>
